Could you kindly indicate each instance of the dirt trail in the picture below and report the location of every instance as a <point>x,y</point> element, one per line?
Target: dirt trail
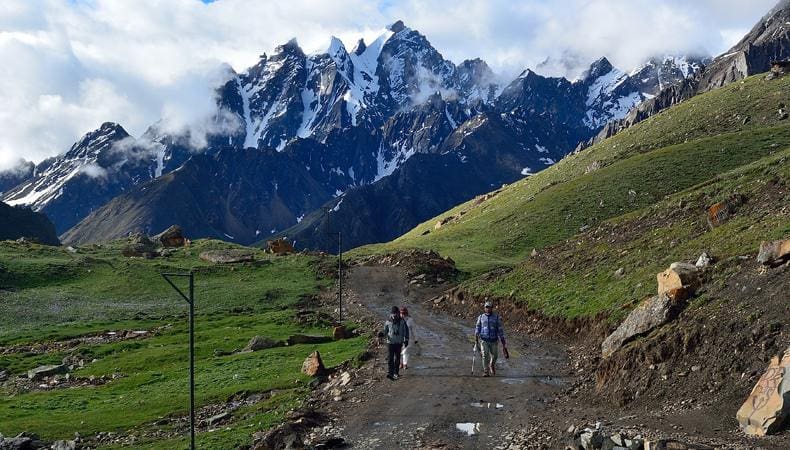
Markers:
<point>438,392</point>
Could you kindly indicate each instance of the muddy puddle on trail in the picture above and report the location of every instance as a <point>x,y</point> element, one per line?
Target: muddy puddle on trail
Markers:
<point>470,428</point>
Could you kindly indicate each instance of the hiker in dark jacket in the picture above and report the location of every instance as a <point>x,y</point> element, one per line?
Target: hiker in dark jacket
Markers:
<point>397,334</point>
<point>489,329</point>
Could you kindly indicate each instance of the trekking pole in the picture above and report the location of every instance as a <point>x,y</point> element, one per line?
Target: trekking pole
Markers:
<point>474,355</point>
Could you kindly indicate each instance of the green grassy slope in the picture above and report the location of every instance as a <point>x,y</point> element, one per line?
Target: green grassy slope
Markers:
<point>671,151</point>
<point>51,294</point>
<point>702,151</point>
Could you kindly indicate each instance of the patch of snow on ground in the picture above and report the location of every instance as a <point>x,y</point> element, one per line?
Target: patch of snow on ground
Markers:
<point>450,118</point>
<point>228,236</point>
<point>299,219</point>
<point>245,102</point>
<point>337,207</point>
<point>526,171</point>
<point>541,149</point>
<point>160,159</point>
<point>547,161</point>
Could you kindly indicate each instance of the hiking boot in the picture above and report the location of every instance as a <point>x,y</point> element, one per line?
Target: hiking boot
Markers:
<point>485,374</point>
<point>395,377</point>
<point>391,377</point>
<point>492,369</point>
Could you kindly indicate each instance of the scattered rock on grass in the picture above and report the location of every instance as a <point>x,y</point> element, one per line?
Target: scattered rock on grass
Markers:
<point>313,365</point>
<point>773,252</point>
<point>679,276</point>
<point>139,245</point>
<point>703,261</point>
<point>46,371</point>
<point>229,256</point>
<point>341,332</point>
<point>262,343</point>
<point>651,314</point>
<point>171,237</point>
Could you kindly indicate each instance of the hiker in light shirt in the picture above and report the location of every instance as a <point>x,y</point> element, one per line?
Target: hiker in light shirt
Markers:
<point>408,350</point>
<point>488,330</point>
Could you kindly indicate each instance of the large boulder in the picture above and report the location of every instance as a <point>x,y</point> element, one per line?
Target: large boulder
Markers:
<point>23,441</point>
<point>228,256</point>
<point>262,343</point>
<point>649,315</point>
<point>768,406</point>
<point>313,365</point>
<point>171,237</point>
<point>139,245</point>
<point>680,277</point>
<point>279,247</point>
<point>46,371</point>
<point>773,252</point>
<point>341,332</point>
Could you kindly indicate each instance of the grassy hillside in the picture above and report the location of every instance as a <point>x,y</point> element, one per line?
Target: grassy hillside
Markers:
<point>48,295</point>
<point>708,148</point>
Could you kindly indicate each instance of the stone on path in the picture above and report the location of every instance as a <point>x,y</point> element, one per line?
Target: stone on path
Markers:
<point>650,314</point>
<point>313,365</point>
<point>768,406</point>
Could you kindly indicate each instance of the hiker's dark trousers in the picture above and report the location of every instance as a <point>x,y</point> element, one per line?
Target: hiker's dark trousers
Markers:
<point>393,359</point>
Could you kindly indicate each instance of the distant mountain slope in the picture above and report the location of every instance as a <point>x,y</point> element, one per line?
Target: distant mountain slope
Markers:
<point>233,195</point>
<point>98,167</point>
<point>671,151</point>
<point>346,120</point>
<point>18,223</point>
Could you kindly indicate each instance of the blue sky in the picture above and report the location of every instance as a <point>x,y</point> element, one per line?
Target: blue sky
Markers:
<point>82,62</point>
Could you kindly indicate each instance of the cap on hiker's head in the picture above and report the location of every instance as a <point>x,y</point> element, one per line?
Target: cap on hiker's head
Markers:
<point>404,310</point>
<point>488,304</point>
<point>395,310</point>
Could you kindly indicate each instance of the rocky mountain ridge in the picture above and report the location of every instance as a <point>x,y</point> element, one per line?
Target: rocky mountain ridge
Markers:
<point>346,120</point>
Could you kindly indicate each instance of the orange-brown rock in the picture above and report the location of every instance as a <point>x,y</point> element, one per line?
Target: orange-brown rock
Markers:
<point>679,276</point>
<point>768,406</point>
<point>718,213</point>
<point>279,247</point>
<point>313,365</point>
<point>773,252</point>
<point>171,237</point>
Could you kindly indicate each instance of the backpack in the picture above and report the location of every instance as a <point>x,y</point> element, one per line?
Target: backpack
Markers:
<point>394,334</point>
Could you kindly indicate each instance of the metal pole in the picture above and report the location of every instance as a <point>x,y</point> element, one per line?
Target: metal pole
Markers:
<point>192,360</point>
<point>191,301</point>
<point>340,276</point>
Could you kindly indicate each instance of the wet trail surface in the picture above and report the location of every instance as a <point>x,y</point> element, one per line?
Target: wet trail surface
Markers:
<point>437,401</point>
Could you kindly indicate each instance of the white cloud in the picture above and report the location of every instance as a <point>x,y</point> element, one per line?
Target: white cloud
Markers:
<point>79,63</point>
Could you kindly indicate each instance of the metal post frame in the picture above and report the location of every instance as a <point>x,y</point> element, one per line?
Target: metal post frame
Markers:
<point>191,301</point>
